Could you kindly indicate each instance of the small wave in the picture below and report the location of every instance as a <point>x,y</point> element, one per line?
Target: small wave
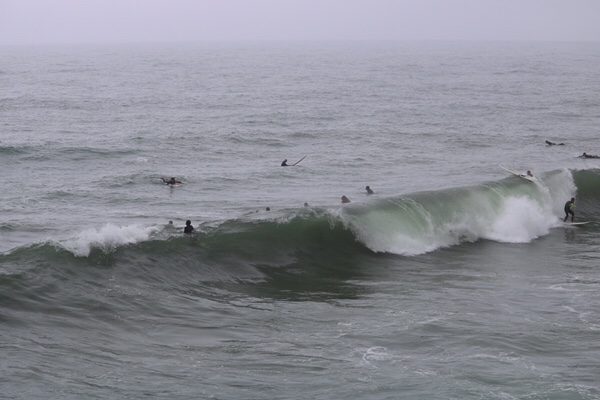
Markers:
<point>14,150</point>
<point>82,153</point>
<point>107,238</point>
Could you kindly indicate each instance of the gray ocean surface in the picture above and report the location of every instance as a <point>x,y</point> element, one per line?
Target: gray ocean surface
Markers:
<point>455,280</point>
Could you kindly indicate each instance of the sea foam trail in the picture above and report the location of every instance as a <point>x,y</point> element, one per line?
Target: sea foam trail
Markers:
<point>107,238</point>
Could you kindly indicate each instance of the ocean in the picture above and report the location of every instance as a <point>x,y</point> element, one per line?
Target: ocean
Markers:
<point>454,280</point>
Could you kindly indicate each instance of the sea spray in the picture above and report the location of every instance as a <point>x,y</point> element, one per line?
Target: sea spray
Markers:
<point>107,238</point>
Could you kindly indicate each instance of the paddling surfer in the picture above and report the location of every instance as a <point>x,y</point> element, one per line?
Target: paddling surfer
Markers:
<point>171,181</point>
<point>585,155</point>
<point>570,209</point>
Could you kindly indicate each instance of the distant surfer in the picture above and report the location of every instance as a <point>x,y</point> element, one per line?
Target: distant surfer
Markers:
<point>171,181</point>
<point>549,143</point>
<point>188,227</point>
<point>529,173</point>
<point>345,200</point>
<point>570,209</point>
<point>285,164</point>
<point>368,189</point>
<point>585,155</point>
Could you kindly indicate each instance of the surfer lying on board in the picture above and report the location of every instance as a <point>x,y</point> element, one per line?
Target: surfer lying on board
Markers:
<point>585,155</point>
<point>549,143</point>
<point>171,181</point>
<point>570,209</point>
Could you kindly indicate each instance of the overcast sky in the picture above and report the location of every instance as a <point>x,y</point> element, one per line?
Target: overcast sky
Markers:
<point>100,21</point>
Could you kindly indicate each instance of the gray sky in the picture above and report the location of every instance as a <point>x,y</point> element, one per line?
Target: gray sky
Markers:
<point>81,21</point>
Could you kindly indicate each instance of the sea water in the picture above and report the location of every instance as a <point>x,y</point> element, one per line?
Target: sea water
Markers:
<point>454,280</point>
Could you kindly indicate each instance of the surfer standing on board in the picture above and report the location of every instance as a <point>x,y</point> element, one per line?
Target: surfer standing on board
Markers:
<point>569,209</point>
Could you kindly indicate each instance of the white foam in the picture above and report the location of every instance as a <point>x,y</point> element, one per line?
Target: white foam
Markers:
<point>107,238</point>
<point>520,221</point>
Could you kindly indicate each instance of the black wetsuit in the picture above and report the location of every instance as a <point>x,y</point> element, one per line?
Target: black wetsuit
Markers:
<point>188,229</point>
<point>569,210</point>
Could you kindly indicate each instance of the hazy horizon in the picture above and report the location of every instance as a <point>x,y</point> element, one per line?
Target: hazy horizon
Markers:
<point>31,22</point>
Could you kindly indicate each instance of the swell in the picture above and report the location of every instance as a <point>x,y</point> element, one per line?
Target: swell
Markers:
<point>471,213</point>
<point>304,251</point>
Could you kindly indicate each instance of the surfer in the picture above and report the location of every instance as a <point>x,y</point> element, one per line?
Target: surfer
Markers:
<point>345,200</point>
<point>529,173</point>
<point>549,143</point>
<point>285,164</point>
<point>585,155</point>
<point>368,189</point>
<point>171,181</point>
<point>569,209</point>
<point>188,227</point>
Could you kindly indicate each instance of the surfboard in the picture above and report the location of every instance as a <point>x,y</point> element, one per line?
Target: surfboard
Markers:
<point>298,162</point>
<point>522,176</point>
<point>576,223</point>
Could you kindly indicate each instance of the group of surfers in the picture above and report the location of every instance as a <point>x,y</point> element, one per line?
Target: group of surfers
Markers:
<point>584,155</point>
<point>569,205</point>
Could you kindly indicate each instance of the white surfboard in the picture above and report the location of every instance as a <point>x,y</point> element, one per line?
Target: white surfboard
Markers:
<point>576,223</point>
<point>522,176</point>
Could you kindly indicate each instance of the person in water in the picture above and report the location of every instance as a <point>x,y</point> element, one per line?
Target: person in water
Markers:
<point>171,181</point>
<point>284,163</point>
<point>529,173</point>
<point>368,189</point>
<point>188,227</point>
<point>549,143</point>
<point>570,209</point>
<point>585,155</point>
<point>345,200</point>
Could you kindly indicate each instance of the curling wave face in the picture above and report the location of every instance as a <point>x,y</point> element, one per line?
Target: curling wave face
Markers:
<point>510,210</point>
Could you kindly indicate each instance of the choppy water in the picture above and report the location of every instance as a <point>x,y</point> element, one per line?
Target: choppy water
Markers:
<point>453,281</point>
